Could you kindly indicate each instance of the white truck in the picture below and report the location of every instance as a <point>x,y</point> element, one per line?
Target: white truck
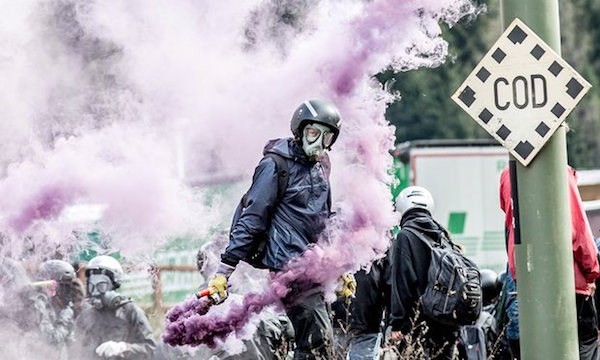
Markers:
<point>463,177</point>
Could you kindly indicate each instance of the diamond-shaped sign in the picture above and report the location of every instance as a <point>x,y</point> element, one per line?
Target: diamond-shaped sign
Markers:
<point>521,91</point>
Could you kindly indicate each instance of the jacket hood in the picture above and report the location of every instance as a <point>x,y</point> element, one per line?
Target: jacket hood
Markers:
<point>422,220</point>
<point>285,147</point>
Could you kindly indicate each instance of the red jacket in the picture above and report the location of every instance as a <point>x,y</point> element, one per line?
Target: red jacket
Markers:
<point>585,253</point>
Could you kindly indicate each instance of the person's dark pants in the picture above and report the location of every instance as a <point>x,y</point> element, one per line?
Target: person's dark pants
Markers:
<point>587,327</point>
<point>312,327</point>
<point>434,340</point>
<point>440,341</point>
<point>515,348</point>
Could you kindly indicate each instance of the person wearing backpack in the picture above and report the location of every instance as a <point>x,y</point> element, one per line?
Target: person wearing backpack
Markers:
<point>282,214</point>
<point>415,322</point>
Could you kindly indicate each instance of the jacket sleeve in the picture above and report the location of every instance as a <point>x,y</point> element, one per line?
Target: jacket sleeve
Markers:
<point>585,252</point>
<point>255,217</point>
<point>141,346</point>
<point>506,206</point>
<point>56,329</point>
<point>405,287</point>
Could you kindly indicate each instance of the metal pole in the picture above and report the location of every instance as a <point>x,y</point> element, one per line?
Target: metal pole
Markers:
<point>544,258</point>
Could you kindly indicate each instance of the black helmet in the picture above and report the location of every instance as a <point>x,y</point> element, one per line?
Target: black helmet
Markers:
<point>318,111</point>
<point>57,270</point>
<point>489,285</point>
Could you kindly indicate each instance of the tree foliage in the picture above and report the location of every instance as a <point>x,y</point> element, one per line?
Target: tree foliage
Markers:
<point>580,42</point>
<point>425,110</point>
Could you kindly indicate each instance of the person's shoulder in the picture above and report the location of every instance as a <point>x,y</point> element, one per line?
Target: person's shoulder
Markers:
<point>132,308</point>
<point>403,237</point>
<point>128,303</point>
<point>280,146</point>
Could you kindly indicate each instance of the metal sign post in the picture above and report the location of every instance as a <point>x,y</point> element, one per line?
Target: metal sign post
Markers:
<point>520,93</point>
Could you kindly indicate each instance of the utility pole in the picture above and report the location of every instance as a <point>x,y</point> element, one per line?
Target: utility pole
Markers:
<point>544,256</point>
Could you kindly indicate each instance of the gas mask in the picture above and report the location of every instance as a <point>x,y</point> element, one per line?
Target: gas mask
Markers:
<point>316,138</point>
<point>101,291</point>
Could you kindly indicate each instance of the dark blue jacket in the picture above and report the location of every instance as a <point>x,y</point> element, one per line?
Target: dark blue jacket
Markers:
<point>293,222</point>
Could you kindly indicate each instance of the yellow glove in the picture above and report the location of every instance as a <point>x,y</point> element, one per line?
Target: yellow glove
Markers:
<point>218,288</point>
<point>347,287</point>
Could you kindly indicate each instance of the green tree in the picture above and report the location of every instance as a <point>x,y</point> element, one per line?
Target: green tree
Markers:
<point>426,111</point>
<point>580,38</point>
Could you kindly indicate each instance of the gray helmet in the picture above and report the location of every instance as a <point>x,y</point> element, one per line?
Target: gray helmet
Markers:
<point>108,266</point>
<point>316,111</point>
<point>57,270</point>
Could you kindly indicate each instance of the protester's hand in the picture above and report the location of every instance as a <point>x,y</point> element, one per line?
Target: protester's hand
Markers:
<point>397,336</point>
<point>110,349</point>
<point>592,287</point>
<point>218,288</point>
<point>347,286</point>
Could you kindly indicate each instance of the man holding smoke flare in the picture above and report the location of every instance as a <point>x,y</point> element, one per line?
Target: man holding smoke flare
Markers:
<point>283,214</point>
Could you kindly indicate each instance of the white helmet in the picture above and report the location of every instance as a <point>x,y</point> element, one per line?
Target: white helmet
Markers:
<point>414,197</point>
<point>106,265</point>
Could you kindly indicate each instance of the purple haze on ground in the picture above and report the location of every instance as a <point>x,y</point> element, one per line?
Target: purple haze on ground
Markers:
<point>179,317</point>
<point>187,324</point>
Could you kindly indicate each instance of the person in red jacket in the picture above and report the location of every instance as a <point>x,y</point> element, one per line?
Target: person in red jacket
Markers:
<point>585,260</point>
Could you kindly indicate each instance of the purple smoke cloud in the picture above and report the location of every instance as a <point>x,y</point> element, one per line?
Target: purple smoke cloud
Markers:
<point>47,204</point>
<point>130,102</point>
<point>359,232</point>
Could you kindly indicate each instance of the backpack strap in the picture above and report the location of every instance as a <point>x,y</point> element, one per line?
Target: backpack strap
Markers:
<point>445,240</point>
<point>430,242</point>
<point>419,235</point>
<point>281,167</point>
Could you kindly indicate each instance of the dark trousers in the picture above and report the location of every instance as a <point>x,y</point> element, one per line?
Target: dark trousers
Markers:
<point>434,341</point>
<point>440,341</point>
<point>587,327</point>
<point>312,327</point>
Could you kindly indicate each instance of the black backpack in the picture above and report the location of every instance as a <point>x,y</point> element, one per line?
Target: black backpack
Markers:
<point>453,293</point>
<point>256,253</point>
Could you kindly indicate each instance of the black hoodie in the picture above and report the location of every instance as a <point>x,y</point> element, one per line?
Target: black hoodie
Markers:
<point>371,299</point>
<point>410,259</point>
